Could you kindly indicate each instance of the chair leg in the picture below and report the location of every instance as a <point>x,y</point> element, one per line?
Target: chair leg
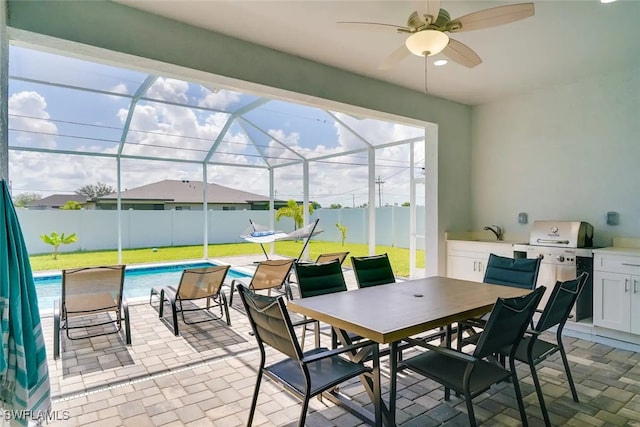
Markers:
<point>288,292</point>
<point>303,411</point>
<point>161,307</point>
<point>536,383</point>
<point>127,325</point>
<point>516,388</point>
<point>232,288</point>
<point>254,401</point>
<point>56,329</point>
<point>471,414</point>
<point>225,306</point>
<point>572,386</point>
<point>174,313</point>
<point>317,334</point>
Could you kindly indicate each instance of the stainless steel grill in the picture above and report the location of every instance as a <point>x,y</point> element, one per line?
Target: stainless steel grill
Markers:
<point>566,251</point>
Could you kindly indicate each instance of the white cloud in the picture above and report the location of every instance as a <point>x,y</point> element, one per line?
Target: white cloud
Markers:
<point>219,100</point>
<point>39,133</point>
<point>120,88</point>
<point>166,89</point>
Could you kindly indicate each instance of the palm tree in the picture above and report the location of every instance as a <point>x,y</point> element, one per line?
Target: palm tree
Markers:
<point>293,210</point>
<point>54,239</point>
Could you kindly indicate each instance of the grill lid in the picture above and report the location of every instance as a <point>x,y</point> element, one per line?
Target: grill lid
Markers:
<point>564,234</point>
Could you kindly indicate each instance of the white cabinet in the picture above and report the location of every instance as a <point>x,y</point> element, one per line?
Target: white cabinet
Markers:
<point>467,260</point>
<point>616,292</point>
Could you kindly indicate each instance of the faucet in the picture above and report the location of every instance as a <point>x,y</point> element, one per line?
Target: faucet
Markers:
<point>495,229</point>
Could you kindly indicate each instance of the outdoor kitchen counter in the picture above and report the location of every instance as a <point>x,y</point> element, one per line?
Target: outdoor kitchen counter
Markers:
<point>467,256</point>
<point>616,250</point>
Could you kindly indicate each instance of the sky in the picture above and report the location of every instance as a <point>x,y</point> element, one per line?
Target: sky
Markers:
<point>77,106</point>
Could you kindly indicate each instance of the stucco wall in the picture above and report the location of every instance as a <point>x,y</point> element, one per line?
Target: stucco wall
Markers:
<point>569,152</point>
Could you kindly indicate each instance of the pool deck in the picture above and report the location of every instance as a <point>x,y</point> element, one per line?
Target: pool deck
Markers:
<point>206,376</point>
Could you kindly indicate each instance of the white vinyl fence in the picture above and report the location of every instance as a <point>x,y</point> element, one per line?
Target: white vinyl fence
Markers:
<point>142,229</point>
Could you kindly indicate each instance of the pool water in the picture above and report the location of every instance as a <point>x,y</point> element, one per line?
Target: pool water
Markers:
<point>137,281</point>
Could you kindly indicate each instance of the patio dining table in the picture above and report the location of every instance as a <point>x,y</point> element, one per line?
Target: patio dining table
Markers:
<point>387,314</point>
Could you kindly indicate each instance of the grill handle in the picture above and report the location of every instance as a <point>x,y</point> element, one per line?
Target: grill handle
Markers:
<point>550,241</point>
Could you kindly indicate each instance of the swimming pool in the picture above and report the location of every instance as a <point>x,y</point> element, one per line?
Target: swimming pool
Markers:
<point>137,281</point>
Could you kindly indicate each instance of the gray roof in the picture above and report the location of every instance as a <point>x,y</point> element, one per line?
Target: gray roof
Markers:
<point>56,200</point>
<point>186,192</point>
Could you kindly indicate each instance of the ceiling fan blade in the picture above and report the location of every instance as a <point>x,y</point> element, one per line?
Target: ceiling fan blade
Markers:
<point>461,53</point>
<point>372,26</point>
<point>492,17</point>
<point>428,11</point>
<point>394,58</point>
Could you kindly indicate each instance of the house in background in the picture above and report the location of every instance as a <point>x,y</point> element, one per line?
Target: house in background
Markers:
<point>185,195</point>
<point>57,201</point>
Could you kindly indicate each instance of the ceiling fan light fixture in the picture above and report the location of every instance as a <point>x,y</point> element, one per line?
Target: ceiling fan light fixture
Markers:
<point>427,42</point>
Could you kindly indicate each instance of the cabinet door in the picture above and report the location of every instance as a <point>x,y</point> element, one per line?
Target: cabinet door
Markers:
<point>612,300</point>
<point>465,268</point>
<point>635,304</point>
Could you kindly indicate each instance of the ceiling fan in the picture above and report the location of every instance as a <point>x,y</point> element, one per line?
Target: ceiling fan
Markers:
<point>428,26</point>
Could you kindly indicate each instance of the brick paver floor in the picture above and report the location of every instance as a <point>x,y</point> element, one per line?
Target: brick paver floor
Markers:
<point>205,377</point>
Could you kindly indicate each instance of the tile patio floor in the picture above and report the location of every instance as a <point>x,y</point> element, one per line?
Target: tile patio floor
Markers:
<point>205,377</point>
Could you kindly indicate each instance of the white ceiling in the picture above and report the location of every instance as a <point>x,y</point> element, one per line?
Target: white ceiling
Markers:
<point>565,41</point>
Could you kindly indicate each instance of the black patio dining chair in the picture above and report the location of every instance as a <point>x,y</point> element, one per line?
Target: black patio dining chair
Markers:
<point>505,271</point>
<point>303,374</point>
<point>533,350</point>
<point>321,279</point>
<point>470,375</point>
<point>195,284</point>
<point>372,270</point>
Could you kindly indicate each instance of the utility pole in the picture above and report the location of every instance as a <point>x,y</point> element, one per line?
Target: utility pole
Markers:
<point>379,183</point>
<point>353,196</point>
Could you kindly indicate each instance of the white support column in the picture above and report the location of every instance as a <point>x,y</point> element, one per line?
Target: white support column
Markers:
<point>305,202</point>
<point>272,208</point>
<point>119,208</point>
<point>434,245</point>
<point>4,94</point>
<point>205,209</point>
<point>372,201</point>
<point>412,213</point>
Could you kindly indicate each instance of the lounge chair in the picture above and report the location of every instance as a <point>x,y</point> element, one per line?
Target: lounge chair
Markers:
<point>89,291</point>
<point>340,256</point>
<point>195,284</point>
<point>269,275</point>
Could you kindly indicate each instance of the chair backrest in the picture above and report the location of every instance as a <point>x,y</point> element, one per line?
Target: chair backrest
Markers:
<point>92,289</point>
<point>320,279</point>
<point>271,274</point>
<point>340,256</point>
<point>372,270</point>
<point>515,272</point>
<point>507,323</point>
<point>562,299</point>
<point>197,283</point>
<point>270,322</point>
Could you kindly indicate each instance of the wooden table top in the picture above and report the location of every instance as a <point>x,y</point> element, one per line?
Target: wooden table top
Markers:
<point>389,313</point>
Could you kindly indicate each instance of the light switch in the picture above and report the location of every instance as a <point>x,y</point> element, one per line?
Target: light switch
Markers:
<point>613,218</point>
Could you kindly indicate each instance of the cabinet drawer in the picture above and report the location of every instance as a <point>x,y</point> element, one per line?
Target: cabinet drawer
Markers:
<point>617,263</point>
<point>478,249</point>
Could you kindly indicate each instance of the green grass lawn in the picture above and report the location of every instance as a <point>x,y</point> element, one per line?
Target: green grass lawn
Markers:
<point>399,257</point>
